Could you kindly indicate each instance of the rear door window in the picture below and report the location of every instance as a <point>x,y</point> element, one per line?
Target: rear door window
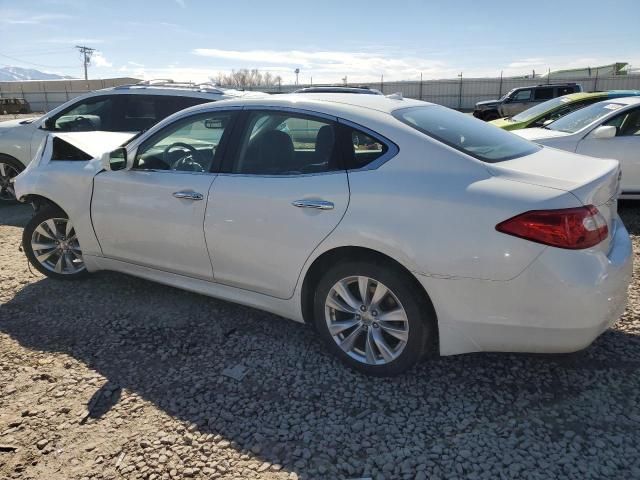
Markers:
<point>284,143</point>
<point>542,94</point>
<point>141,112</point>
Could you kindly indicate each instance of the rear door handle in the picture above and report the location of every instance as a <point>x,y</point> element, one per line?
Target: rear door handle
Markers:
<point>188,195</point>
<point>317,204</point>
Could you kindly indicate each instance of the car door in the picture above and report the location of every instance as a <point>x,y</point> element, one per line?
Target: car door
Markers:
<point>518,102</point>
<point>153,213</point>
<point>624,147</point>
<point>284,191</point>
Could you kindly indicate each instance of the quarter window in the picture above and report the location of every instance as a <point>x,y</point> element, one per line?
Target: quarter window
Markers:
<point>281,143</point>
<point>363,150</point>
<point>189,145</point>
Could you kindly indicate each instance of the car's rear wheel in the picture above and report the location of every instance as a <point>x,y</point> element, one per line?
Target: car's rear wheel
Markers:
<point>49,240</point>
<point>9,169</point>
<point>373,317</point>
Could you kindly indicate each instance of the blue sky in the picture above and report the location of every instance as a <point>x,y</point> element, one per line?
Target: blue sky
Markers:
<point>327,40</point>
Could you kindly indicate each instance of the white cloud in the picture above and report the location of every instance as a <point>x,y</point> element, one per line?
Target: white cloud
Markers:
<point>181,3</point>
<point>98,60</point>
<point>527,63</point>
<point>329,66</point>
<point>25,19</point>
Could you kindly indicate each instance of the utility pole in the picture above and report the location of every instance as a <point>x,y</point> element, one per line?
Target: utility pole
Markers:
<point>86,57</point>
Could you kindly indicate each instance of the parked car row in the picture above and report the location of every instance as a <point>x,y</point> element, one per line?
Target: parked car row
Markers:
<point>396,227</point>
<point>126,108</point>
<point>519,99</point>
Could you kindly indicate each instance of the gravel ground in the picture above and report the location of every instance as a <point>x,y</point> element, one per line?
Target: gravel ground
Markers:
<point>117,377</point>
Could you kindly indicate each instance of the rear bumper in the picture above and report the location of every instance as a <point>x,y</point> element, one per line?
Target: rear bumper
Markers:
<point>560,303</point>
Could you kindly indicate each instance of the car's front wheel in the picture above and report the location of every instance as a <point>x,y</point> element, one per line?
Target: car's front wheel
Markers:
<point>373,317</point>
<point>491,115</point>
<point>49,240</point>
<point>9,169</point>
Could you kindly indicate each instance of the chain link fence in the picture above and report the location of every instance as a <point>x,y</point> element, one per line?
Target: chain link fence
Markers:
<point>48,94</point>
<point>463,93</point>
<point>459,93</point>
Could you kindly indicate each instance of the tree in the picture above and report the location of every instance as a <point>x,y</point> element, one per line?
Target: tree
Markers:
<point>245,78</point>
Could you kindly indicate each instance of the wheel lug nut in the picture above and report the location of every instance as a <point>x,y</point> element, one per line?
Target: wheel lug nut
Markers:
<point>374,313</point>
<point>363,308</point>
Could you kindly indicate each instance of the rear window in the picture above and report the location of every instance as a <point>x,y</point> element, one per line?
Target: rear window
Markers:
<point>465,133</point>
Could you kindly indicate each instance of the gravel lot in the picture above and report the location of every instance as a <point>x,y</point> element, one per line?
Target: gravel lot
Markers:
<point>117,377</point>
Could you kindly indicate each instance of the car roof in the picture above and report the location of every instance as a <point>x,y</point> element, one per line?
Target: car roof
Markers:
<point>323,102</point>
<point>339,89</point>
<point>624,101</point>
<point>200,91</point>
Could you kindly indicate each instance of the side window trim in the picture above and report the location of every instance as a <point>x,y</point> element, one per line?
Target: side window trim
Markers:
<point>392,148</point>
<point>137,149</point>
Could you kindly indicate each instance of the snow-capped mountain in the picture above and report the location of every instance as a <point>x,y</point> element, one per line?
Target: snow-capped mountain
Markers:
<point>12,74</point>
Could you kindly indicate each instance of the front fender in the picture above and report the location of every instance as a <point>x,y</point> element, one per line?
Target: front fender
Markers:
<point>68,184</point>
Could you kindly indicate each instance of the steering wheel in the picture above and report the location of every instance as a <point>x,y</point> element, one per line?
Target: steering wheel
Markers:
<point>185,162</point>
<point>83,122</point>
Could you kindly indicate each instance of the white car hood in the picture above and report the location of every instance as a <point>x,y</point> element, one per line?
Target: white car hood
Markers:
<point>95,143</point>
<point>18,122</point>
<point>534,134</point>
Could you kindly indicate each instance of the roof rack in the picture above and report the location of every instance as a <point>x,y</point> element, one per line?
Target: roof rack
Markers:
<point>167,82</point>
<point>555,83</point>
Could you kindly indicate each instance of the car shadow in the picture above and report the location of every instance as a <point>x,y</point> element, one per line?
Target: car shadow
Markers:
<point>15,215</point>
<point>299,407</point>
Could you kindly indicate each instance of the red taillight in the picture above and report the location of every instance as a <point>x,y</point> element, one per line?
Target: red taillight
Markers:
<point>573,228</point>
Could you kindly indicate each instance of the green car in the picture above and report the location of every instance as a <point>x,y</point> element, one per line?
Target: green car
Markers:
<point>557,107</point>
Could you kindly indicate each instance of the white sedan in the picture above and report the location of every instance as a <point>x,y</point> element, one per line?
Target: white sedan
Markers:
<point>397,227</point>
<point>609,129</point>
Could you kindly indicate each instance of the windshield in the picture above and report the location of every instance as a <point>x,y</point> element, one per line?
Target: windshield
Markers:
<point>465,133</point>
<point>540,109</point>
<point>581,118</point>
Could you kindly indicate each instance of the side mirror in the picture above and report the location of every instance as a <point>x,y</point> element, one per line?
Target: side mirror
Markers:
<point>507,100</point>
<point>603,132</point>
<point>114,160</point>
<point>49,124</point>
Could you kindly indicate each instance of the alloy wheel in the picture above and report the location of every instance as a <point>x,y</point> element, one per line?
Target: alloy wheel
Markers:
<point>7,173</point>
<point>366,320</point>
<point>55,246</point>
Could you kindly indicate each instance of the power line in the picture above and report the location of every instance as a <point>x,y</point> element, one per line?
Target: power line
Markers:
<point>86,52</point>
<point>32,63</point>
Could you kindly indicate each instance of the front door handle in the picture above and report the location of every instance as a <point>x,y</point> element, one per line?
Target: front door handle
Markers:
<point>318,204</point>
<point>188,195</point>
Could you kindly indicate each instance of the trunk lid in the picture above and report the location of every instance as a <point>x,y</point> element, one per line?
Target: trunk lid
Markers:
<point>594,181</point>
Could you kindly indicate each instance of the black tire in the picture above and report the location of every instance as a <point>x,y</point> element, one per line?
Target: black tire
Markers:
<point>19,167</point>
<point>419,313</point>
<point>491,115</point>
<point>46,213</point>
